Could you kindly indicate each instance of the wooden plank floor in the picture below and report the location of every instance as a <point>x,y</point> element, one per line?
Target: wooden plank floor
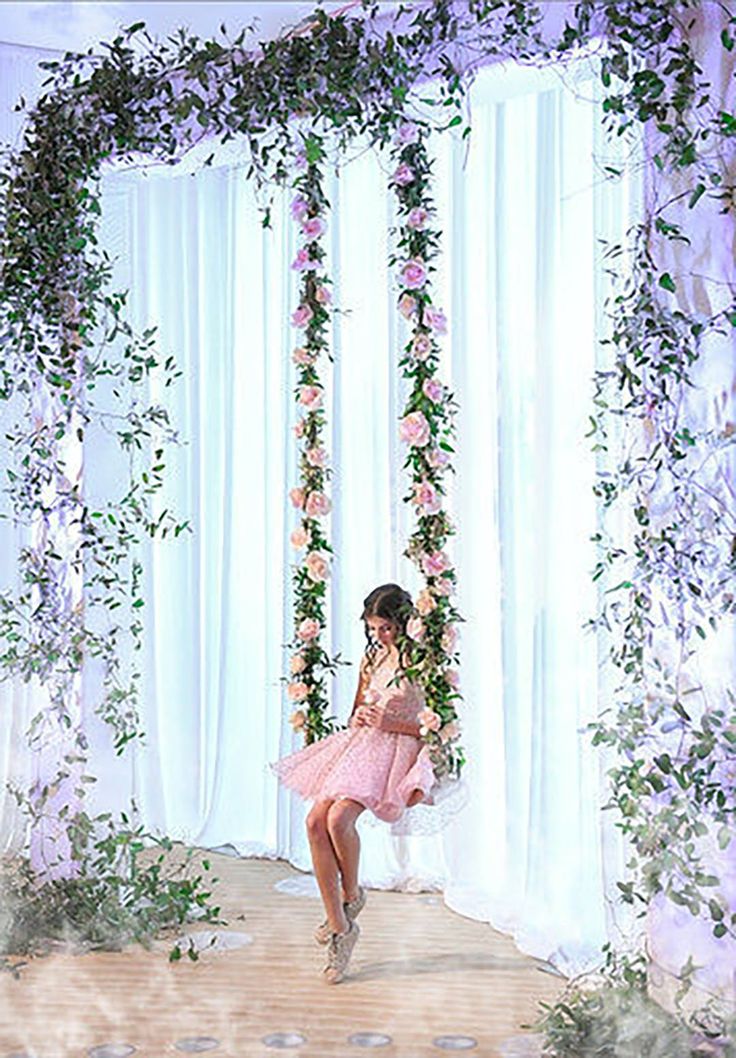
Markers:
<point>418,972</point>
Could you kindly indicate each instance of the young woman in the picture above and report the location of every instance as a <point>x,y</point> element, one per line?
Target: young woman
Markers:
<point>376,764</point>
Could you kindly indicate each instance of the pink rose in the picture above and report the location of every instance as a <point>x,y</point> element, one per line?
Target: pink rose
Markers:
<point>444,586</point>
<point>449,638</point>
<point>297,497</point>
<point>323,295</point>
<point>310,397</point>
<point>317,566</point>
<point>297,719</point>
<point>308,629</point>
<point>438,458</point>
<point>299,207</point>
<point>433,389</point>
<point>426,497</point>
<point>302,262</point>
<point>407,132</point>
<point>415,627</point>
<point>436,319</point>
<point>302,356</point>
<point>429,719</point>
<point>301,316</point>
<point>317,505</point>
<point>299,536</point>
<point>449,731</point>
<point>414,429</point>
<point>316,457</point>
<point>407,306</point>
<point>414,274</point>
<point>313,227</point>
<point>404,175</point>
<point>300,160</point>
<point>299,428</point>
<point>417,218</point>
<point>421,347</point>
<point>297,691</point>
<point>453,677</point>
<point>425,603</point>
<point>297,664</point>
<point>435,563</point>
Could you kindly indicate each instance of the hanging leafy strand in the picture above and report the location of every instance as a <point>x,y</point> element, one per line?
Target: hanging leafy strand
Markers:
<point>309,663</point>
<point>427,428</point>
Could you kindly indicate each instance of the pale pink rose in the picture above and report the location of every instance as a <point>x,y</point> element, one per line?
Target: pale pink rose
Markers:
<point>438,458</point>
<point>436,319</point>
<point>415,627</point>
<point>300,160</point>
<point>407,132</point>
<point>427,497</point>
<point>444,586</point>
<point>302,356</point>
<point>310,397</point>
<point>299,536</point>
<point>317,566</point>
<point>407,306</point>
<point>371,696</point>
<point>404,175</point>
<point>449,731</point>
<point>433,389</point>
<point>323,295</point>
<point>297,691</point>
<point>453,677</point>
<point>299,207</point>
<point>308,629</point>
<point>316,457</point>
<point>421,347</point>
<point>302,262</point>
<point>435,563</point>
<point>299,428</point>
<point>414,274</point>
<point>301,316</point>
<point>313,227</point>
<point>297,664</point>
<point>449,639</point>
<point>417,218</point>
<point>317,505</point>
<point>297,497</point>
<point>429,719</point>
<point>425,603</point>
<point>414,429</point>
<point>298,719</point>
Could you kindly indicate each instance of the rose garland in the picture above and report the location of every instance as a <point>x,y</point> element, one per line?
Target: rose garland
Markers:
<point>427,428</point>
<point>309,662</point>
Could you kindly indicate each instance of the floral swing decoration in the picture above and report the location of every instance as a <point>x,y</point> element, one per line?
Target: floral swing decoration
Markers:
<point>426,428</point>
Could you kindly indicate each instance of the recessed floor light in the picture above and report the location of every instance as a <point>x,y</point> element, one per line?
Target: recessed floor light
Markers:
<point>369,1039</point>
<point>284,1039</point>
<point>455,1043</point>
<point>194,1044</point>
<point>111,1050</point>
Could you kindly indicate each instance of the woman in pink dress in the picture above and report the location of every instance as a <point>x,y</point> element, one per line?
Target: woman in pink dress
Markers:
<point>378,764</point>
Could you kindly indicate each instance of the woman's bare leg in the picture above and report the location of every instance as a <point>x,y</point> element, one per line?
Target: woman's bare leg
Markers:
<point>341,817</point>
<point>326,865</point>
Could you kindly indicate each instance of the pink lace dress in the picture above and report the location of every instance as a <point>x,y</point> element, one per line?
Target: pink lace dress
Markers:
<point>381,768</point>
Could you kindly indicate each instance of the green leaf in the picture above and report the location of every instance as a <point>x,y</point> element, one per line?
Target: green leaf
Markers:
<point>667,282</point>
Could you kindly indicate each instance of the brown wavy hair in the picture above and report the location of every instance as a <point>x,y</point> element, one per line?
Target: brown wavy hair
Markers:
<point>391,602</point>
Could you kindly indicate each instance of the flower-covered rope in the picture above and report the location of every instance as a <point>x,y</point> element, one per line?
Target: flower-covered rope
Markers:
<point>309,661</point>
<point>427,428</point>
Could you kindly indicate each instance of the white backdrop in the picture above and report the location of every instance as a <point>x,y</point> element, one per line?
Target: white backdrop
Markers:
<point>522,285</point>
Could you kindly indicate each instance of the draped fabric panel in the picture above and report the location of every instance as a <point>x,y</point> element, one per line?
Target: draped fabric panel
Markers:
<point>522,210</point>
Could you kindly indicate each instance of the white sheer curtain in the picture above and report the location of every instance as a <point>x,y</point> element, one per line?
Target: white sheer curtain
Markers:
<point>521,282</point>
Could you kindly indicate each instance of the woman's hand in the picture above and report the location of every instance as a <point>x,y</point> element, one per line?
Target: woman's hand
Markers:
<point>367,715</point>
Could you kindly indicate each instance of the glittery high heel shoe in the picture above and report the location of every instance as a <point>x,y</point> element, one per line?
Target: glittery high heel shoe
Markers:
<point>339,952</point>
<point>352,908</point>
